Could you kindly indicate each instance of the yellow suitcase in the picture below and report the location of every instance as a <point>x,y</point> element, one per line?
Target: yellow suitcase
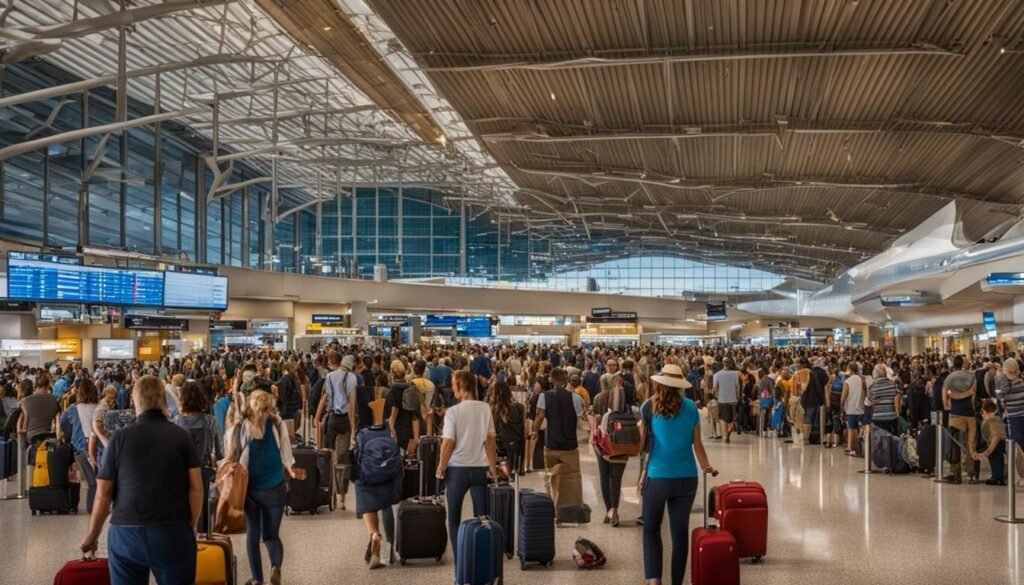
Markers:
<point>41,474</point>
<point>215,561</point>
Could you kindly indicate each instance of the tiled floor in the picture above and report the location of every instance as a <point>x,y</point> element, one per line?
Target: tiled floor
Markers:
<point>829,524</point>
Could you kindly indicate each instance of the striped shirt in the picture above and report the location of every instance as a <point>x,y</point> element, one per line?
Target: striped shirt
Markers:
<point>1011,395</point>
<point>882,395</point>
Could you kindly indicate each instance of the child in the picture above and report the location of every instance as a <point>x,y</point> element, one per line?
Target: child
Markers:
<point>993,432</point>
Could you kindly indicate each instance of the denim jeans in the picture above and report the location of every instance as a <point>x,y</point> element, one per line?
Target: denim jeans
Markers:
<point>458,481</point>
<point>168,551</point>
<point>998,463</point>
<point>678,496</point>
<point>264,510</point>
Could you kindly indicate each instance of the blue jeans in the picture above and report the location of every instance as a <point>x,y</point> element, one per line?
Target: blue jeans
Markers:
<point>458,481</point>
<point>678,496</point>
<point>264,510</point>
<point>168,551</point>
<point>998,463</point>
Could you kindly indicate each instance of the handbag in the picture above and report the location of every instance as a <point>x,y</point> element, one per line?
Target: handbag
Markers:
<point>645,452</point>
<point>232,483</point>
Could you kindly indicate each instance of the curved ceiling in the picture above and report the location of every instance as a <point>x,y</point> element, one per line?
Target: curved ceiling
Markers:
<point>799,137</point>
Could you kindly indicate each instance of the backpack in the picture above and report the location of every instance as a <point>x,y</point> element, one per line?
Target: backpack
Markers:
<point>291,397</point>
<point>411,399</point>
<point>587,554</point>
<point>620,430</point>
<point>378,456</point>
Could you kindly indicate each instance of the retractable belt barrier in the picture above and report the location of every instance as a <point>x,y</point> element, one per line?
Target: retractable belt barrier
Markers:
<point>22,461</point>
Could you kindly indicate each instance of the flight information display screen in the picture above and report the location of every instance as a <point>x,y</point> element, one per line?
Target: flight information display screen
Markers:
<point>37,280</point>
<point>186,290</point>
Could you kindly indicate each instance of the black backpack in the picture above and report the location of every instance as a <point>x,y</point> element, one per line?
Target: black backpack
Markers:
<point>291,396</point>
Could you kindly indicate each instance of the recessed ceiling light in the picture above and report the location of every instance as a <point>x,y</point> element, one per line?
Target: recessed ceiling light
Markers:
<point>326,28</point>
<point>552,96</point>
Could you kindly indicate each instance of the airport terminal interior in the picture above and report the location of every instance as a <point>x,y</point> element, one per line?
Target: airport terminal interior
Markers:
<point>270,255</point>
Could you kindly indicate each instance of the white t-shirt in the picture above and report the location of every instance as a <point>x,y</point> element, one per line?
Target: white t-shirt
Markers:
<point>85,414</point>
<point>855,396</point>
<point>469,423</point>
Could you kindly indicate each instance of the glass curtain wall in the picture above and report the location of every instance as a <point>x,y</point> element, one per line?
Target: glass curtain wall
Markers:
<point>123,180</point>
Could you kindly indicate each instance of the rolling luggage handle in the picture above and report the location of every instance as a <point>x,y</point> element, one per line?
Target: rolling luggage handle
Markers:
<point>714,473</point>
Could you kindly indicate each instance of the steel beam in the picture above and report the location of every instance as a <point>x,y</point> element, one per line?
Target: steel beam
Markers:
<point>80,86</point>
<point>724,188</point>
<point>39,143</point>
<point>485,63</point>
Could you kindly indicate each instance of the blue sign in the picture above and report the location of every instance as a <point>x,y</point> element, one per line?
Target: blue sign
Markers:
<point>990,320</point>
<point>1005,278</point>
<point>477,327</point>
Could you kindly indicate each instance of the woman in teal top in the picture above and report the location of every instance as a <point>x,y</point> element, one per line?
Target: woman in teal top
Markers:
<point>259,442</point>
<point>674,425</point>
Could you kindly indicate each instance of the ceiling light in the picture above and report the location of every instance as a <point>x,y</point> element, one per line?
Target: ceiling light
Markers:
<point>327,28</point>
<point>552,96</point>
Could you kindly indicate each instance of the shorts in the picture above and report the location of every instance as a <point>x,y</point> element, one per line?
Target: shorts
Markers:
<point>727,411</point>
<point>853,421</point>
<point>811,415</point>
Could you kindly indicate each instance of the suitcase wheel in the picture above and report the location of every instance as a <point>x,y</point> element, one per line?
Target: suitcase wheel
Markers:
<point>522,565</point>
<point>438,559</point>
<point>313,511</point>
<point>402,562</point>
<point>756,560</point>
<point>549,564</point>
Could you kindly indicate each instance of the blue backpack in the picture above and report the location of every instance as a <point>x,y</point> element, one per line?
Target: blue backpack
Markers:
<point>380,460</point>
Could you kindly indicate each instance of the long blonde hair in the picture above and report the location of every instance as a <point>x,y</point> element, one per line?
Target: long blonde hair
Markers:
<point>260,407</point>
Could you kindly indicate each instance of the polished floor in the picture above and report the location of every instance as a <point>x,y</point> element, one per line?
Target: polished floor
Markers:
<point>829,524</point>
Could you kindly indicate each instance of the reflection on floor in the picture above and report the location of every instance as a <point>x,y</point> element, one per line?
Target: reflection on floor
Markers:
<point>828,524</point>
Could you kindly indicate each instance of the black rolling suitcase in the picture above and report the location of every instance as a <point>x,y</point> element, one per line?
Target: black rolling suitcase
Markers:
<point>501,506</point>
<point>317,490</point>
<point>421,529</point>
<point>55,499</point>
<point>59,458</point>
<point>926,449</point>
<point>411,479</point>
<point>429,453</point>
<point>536,528</point>
<point>326,486</point>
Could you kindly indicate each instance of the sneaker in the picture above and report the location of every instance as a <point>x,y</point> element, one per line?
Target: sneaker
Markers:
<point>952,479</point>
<point>275,575</point>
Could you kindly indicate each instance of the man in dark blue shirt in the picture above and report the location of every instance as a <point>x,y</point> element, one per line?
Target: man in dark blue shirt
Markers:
<point>150,474</point>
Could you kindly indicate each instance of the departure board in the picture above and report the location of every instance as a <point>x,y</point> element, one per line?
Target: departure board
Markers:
<point>36,280</point>
<point>186,290</point>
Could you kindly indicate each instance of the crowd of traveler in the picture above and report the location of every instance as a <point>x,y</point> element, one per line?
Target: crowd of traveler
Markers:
<point>491,406</point>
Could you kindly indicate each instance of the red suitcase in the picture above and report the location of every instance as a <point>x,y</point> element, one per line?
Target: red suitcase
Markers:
<point>714,558</point>
<point>84,572</point>
<point>741,507</point>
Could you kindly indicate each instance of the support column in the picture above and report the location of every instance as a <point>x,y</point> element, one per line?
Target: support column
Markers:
<point>415,329</point>
<point>360,316</point>
<point>462,237</point>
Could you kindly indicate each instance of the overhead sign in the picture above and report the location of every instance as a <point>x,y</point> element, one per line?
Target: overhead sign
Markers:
<point>329,319</point>
<point>716,311</point>
<point>155,322</point>
<point>1005,278</point>
<point>990,321</point>
<point>15,306</point>
<point>601,312</point>
<point>615,317</point>
<point>229,325</point>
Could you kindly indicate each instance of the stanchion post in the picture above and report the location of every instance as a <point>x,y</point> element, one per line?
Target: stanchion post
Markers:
<point>22,463</point>
<point>939,455</point>
<point>867,451</point>
<point>1011,488</point>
